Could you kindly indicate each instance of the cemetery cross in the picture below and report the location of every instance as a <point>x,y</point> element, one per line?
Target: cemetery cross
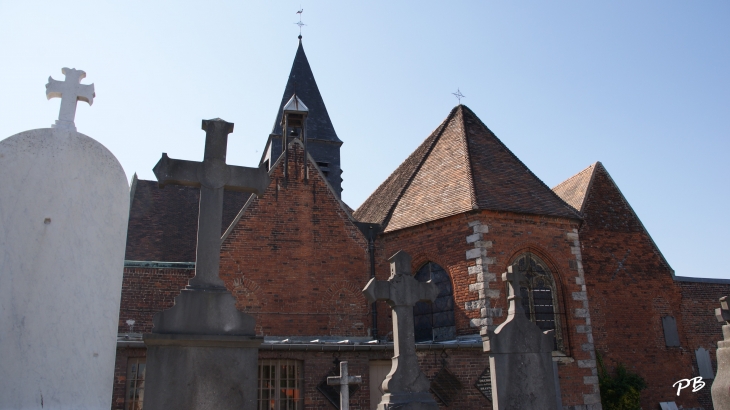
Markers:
<point>402,291</point>
<point>212,175</point>
<point>515,298</point>
<point>344,380</point>
<point>69,91</point>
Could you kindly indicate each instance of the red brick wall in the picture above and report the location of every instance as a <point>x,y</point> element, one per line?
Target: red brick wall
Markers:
<point>120,374</point>
<point>701,328</point>
<point>630,288</point>
<point>146,291</point>
<point>466,364</point>
<point>553,239</point>
<point>295,260</point>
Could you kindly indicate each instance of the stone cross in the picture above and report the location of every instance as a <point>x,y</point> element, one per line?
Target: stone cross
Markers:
<point>69,91</point>
<point>344,380</point>
<point>212,176</point>
<point>405,383</point>
<point>723,313</point>
<point>515,298</point>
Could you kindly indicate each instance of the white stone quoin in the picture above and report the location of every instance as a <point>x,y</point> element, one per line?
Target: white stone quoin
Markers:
<point>64,205</point>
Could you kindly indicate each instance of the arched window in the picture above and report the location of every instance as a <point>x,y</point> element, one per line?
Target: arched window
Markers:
<point>539,296</point>
<point>435,321</point>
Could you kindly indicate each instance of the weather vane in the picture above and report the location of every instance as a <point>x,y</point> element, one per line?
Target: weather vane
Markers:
<point>458,95</point>
<point>299,23</point>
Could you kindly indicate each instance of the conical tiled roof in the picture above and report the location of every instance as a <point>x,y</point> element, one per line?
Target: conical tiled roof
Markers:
<point>301,81</point>
<point>574,190</point>
<point>461,166</point>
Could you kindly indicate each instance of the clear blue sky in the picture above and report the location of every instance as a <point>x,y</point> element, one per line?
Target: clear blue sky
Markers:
<point>643,87</point>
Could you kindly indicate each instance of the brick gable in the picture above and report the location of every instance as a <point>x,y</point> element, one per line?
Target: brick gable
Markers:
<point>294,258</point>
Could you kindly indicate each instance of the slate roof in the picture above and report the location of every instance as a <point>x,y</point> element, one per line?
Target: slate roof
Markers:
<point>460,167</point>
<point>163,223</point>
<point>319,125</point>
<point>574,190</point>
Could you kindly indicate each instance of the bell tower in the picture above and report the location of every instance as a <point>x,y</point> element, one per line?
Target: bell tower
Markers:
<point>321,139</point>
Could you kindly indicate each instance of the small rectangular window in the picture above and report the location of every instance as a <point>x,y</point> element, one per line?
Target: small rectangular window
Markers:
<point>281,385</point>
<point>134,397</point>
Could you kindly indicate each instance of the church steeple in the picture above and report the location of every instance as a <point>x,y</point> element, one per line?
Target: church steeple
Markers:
<point>323,143</point>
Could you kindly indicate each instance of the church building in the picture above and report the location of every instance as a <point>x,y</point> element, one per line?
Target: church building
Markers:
<point>465,208</point>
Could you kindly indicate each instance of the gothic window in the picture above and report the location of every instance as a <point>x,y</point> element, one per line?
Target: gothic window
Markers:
<point>281,385</point>
<point>435,321</point>
<point>539,295</point>
<point>135,383</point>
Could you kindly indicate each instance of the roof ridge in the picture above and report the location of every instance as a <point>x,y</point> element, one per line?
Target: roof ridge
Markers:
<point>631,209</point>
<point>470,170</point>
<point>371,199</point>
<point>522,164</point>
<point>566,183</point>
<point>436,138</point>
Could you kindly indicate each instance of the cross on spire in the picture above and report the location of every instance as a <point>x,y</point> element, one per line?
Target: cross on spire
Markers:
<point>69,91</point>
<point>344,380</point>
<point>458,95</point>
<point>299,23</point>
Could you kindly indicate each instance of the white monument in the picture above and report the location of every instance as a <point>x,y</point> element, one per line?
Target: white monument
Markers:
<point>64,204</point>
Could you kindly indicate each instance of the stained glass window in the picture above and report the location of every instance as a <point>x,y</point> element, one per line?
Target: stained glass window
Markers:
<point>435,321</point>
<point>539,298</point>
<point>280,385</point>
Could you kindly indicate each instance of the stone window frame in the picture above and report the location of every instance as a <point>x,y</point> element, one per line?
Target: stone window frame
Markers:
<point>133,393</point>
<point>421,265</point>
<point>555,285</point>
<point>271,386</point>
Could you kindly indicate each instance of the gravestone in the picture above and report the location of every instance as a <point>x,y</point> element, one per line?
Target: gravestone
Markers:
<point>520,358</point>
<point>203,352</point>
<point>64,205</point>
<point>405,387</point>
<point>344,380</point>
<point>721,385</point>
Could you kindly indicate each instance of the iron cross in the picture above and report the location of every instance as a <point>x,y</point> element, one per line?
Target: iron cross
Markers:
<point>69,91</point>
<point>402,291</point>
<point>213,176</point>
<point>344,380</point>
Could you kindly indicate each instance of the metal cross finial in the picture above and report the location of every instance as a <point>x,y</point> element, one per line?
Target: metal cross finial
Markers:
<point>299,23</point>
<point>69,91</point>
<point>458,95</point>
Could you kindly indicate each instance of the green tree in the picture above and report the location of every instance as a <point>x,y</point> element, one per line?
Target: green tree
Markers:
<point>620,390</point>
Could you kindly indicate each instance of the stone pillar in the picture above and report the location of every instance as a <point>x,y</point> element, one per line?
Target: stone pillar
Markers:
<point>721,385</point>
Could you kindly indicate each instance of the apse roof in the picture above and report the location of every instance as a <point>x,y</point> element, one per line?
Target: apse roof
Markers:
<point>575,189</point>
<point>461,166</point>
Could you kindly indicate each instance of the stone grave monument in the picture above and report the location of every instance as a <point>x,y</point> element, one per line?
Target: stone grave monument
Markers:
<point>520,358</point>
<point>344,380</point>
<point>203,352</point>
<point>64,205</point>
<point>721,385</point>
<point>405,387</point>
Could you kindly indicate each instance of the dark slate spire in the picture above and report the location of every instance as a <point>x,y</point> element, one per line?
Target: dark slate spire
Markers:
<point>301,80</point>
<point>322,142</point>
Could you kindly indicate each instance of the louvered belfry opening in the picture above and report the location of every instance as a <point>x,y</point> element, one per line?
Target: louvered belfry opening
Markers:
<point>539,295</point>
<point>435,321</point>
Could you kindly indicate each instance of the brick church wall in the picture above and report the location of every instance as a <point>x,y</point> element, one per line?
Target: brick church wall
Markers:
<point>701,328</point>
<point>475,249</point>
<point>630,288</point>
<point>296,261</point>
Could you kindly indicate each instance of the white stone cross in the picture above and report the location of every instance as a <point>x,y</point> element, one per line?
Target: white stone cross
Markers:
<point>344,380</point>
<point>69,91</point>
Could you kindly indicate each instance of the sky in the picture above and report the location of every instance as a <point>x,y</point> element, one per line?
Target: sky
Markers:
<point>643,87</point>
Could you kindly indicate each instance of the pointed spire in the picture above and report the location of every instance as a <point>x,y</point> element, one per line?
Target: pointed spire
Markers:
<point>301,81</point>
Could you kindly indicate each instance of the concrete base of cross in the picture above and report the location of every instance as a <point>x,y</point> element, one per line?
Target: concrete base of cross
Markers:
<point>207,312</point>
<point>201,372</point>
<point>408,401</point>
